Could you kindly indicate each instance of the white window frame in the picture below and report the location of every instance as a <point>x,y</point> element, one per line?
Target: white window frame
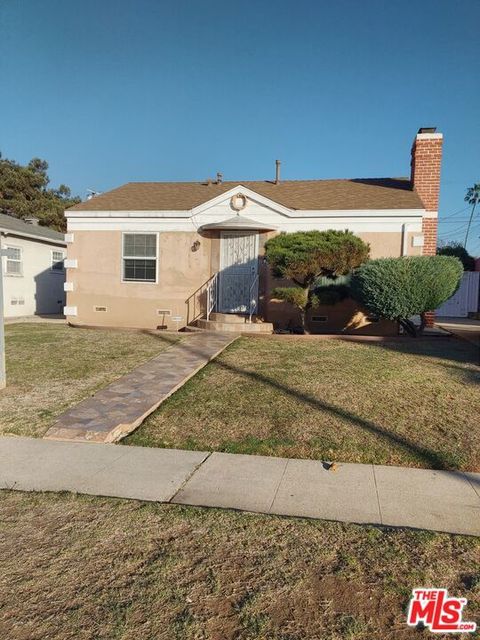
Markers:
<point>8,259</point>
<point>52,262</point>
<point>124,257</point>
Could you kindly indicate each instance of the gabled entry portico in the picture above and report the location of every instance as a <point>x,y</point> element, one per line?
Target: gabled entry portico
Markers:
<point>236,285</point>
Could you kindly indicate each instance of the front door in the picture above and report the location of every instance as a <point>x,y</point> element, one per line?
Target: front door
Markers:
<point>238,271</point>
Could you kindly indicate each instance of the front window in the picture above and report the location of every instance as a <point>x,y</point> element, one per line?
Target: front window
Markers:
<point>139,257</point>
<point>57,261</point>
<point>14,261</point>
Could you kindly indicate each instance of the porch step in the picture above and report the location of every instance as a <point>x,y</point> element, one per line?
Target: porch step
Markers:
<point>235,327</point>
<point>231,318</point>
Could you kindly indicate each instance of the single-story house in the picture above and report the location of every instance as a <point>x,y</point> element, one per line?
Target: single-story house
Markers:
<point>33,271</point>
<point>170,254</point>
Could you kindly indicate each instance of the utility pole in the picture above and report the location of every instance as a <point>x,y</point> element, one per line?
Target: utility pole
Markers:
<point>3,379</point>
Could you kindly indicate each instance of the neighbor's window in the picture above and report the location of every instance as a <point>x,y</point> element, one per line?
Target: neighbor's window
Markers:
<point>14,261</point>
<point>140,257</point>
<point>57,260</point>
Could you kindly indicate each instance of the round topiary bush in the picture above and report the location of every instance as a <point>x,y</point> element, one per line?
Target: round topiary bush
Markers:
<point>399,288</point>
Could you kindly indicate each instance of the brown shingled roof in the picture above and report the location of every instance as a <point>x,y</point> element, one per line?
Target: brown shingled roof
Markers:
<point>368,193</point>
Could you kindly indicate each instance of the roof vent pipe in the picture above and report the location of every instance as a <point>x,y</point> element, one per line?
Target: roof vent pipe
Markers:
<point>219,177</point>
<point>277,171</point>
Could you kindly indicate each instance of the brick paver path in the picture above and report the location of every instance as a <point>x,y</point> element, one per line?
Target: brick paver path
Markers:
<point>122,406</point>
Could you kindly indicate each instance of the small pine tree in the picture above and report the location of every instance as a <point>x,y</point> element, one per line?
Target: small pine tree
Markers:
<point>304,256</point>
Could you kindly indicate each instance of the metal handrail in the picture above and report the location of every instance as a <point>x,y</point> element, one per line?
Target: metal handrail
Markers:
<point>212,294</point>
<point>191,301</point>
<point>252,301</point>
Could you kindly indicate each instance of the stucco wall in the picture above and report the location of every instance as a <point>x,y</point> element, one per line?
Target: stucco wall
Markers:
<point>390,245</point>
<point>97,282</point>
<point>38,290</point>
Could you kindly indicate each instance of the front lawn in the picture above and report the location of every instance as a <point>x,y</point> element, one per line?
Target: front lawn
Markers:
<point>406,402</point>
<point>51,367</point>
<point>99,569</point>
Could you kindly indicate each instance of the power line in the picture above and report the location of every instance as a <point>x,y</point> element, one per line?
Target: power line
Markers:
<point>453,221</point>
<point>455,232</point>
<point>460,226</point>
<point>451,215</point>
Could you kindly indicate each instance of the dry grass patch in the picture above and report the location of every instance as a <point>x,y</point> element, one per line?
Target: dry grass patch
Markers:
<point>410,402</point>
<point>51,367</point>
<point>91,569</point>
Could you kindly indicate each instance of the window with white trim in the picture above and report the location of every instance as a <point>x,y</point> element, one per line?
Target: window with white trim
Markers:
<point>57,261</point>
<point>14,261</point>
<point>139,257</point>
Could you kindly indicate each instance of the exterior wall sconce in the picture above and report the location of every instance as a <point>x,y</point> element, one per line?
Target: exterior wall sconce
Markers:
<point>196,245</point>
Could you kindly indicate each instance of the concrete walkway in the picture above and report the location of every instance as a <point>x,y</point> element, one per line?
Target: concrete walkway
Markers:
<point>396,496</point>
<point>122,406</point>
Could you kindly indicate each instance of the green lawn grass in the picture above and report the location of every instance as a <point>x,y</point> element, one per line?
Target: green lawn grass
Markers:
<point>104,569</point>
<point>406,402</point>
<point>51,367</point>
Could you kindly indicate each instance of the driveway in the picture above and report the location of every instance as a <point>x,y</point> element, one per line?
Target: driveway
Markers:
<point>465,328</point>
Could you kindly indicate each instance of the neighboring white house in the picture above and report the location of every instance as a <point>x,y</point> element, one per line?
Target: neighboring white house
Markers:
<point>33,273</point>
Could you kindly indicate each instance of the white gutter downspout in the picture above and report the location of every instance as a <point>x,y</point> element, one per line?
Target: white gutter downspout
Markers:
<point>404,239</point>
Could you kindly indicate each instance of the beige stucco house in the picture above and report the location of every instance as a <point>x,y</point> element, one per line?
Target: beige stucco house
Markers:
<point>162,254</point>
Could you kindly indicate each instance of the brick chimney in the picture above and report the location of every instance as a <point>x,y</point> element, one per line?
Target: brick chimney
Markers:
<point>425,179</point>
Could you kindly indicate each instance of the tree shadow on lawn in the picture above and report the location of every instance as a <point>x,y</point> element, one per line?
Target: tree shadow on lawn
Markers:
<point>452,349</point>
<point>169,338</point>
<point>435,460</point>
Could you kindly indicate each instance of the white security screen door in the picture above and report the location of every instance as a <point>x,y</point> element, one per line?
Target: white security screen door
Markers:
<point>238,271</point>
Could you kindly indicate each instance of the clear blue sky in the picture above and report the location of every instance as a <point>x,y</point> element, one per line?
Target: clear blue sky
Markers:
<point>110,91</point>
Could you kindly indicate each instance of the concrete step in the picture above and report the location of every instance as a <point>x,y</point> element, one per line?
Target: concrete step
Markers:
<point>235,327</point>
<point>233,318</point>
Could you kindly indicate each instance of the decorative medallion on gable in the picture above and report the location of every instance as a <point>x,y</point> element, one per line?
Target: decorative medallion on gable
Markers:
<point>238,202</point>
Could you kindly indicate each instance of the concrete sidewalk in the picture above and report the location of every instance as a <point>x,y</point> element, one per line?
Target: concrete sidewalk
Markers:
<point>396,496</point>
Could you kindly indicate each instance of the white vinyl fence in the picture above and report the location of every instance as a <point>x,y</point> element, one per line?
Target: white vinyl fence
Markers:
<point>465,300</point>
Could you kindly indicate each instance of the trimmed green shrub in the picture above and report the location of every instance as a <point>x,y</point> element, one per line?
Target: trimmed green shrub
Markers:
<point>399,288</point>
<point>305,256</point>
<point>293,295</point>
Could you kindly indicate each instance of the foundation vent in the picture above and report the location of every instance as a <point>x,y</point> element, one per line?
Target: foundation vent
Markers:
<point>100,309</point>
<point>319,318</point>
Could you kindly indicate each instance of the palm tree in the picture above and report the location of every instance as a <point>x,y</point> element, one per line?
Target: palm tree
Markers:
<point>472,197</point>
